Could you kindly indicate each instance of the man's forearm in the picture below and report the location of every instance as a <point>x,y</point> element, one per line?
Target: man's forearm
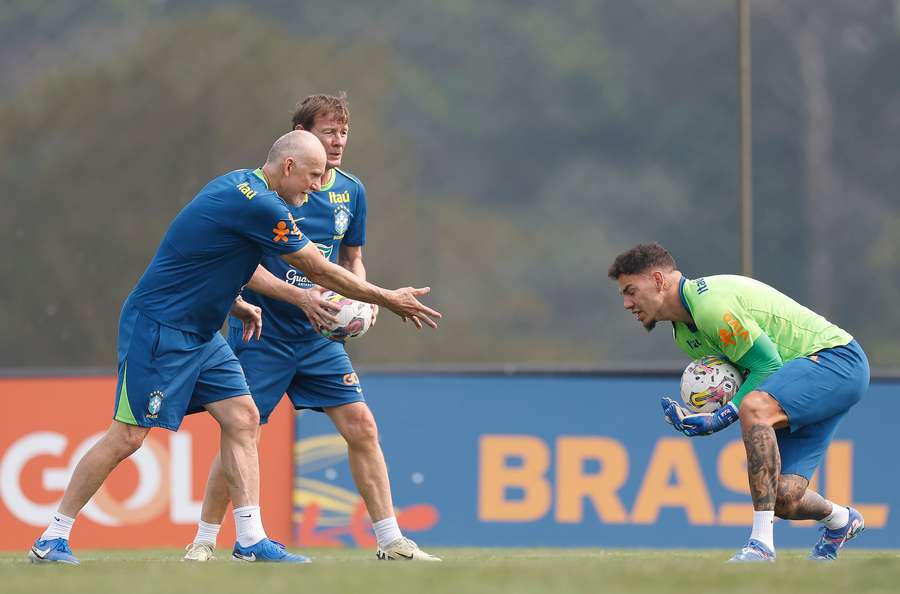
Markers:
<point>331,276</point>
<point>236,306</point>
<point>266,283</point>
<point>356,267</point>
<point>347,283</point>
<point>350,257</point>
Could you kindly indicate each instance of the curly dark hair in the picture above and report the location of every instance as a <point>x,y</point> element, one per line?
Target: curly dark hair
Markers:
<point>641,258</point>
<point>315,105</point>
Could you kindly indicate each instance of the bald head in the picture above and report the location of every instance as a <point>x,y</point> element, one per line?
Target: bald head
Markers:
<point>299,145</point>
<point>295,166</point>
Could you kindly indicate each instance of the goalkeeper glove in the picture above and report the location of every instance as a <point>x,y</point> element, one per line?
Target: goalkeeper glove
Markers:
<point>698,423</point>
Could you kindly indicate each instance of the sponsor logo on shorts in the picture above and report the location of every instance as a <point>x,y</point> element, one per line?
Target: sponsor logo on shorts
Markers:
<point>351,379</point>
<point>154,404</point>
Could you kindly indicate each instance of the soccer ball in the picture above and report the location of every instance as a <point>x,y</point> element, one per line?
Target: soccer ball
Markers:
<point>353,319</point>
<point>708,383</point>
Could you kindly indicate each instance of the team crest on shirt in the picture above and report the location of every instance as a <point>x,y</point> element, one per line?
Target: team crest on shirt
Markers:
<point>154,404</point>
<point>341,219</point>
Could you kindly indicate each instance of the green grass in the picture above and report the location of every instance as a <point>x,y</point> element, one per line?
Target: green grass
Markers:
<point>520,571</point>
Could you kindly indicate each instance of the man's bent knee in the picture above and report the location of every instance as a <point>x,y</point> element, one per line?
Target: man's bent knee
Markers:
<point>356,423</point>
<point>759,407</point>
<point>246,415</point>
<point>236,415</point>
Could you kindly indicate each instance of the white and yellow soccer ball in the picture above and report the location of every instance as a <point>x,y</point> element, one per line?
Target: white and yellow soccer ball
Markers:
<point>353,319</point>
<point>708,383</point>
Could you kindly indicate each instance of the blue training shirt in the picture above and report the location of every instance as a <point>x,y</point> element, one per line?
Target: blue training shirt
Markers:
<point>334,215</point>
<point>212,249</point>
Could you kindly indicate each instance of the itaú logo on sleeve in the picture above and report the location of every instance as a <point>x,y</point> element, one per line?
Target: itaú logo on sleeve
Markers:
<point>163,480</point>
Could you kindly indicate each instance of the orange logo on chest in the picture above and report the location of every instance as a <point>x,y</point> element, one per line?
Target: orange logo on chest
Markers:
<point>728,336</point>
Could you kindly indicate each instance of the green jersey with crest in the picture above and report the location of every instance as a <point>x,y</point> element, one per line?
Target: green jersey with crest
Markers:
<point>733,313</point>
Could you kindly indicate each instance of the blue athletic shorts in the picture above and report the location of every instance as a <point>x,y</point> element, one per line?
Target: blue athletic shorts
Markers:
<point>166,373</point>
<point>816,392</point>
<point>315,373</point>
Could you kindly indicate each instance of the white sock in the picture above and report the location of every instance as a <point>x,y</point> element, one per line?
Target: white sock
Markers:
<point>387,531</point>
<point>60,527</point>
<point>207,533</point>
<point>762,528</point>
<point>838,517</point>
<point>248,522</point>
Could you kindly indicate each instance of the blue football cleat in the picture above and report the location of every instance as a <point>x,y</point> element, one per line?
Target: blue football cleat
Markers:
<point>266,551</point>
<point>831,541</point>
<point>754,552</point>
<point>55,550</point>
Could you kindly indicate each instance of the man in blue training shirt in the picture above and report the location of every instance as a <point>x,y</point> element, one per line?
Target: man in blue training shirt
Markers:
<point>172,361</point>
<point>292,357</point>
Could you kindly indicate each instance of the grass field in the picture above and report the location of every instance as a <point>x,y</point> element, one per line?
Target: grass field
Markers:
<point>522,571</point>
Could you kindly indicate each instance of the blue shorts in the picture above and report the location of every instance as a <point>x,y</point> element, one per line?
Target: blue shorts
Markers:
<point>815,393</point>
<point>315,373</point>
<point>166,373</point>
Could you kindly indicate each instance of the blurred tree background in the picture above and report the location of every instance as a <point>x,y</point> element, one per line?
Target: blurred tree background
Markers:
<point>510,149</point>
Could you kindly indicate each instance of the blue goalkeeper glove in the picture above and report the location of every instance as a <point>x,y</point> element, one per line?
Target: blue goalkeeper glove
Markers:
<point>692,424</point>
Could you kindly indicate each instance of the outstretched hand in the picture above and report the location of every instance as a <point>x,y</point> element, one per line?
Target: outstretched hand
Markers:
<point>405,304</point>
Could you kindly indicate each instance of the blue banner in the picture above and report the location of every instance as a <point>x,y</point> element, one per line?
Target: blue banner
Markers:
<point>571,460</point>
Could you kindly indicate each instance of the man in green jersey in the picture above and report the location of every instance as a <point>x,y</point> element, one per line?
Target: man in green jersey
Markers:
<point>803,374</point>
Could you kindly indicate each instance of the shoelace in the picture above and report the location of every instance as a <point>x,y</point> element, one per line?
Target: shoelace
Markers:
<point>279,547</point>
<point>752,548</point>
<point>825,537</point>
<point>826,548</point>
